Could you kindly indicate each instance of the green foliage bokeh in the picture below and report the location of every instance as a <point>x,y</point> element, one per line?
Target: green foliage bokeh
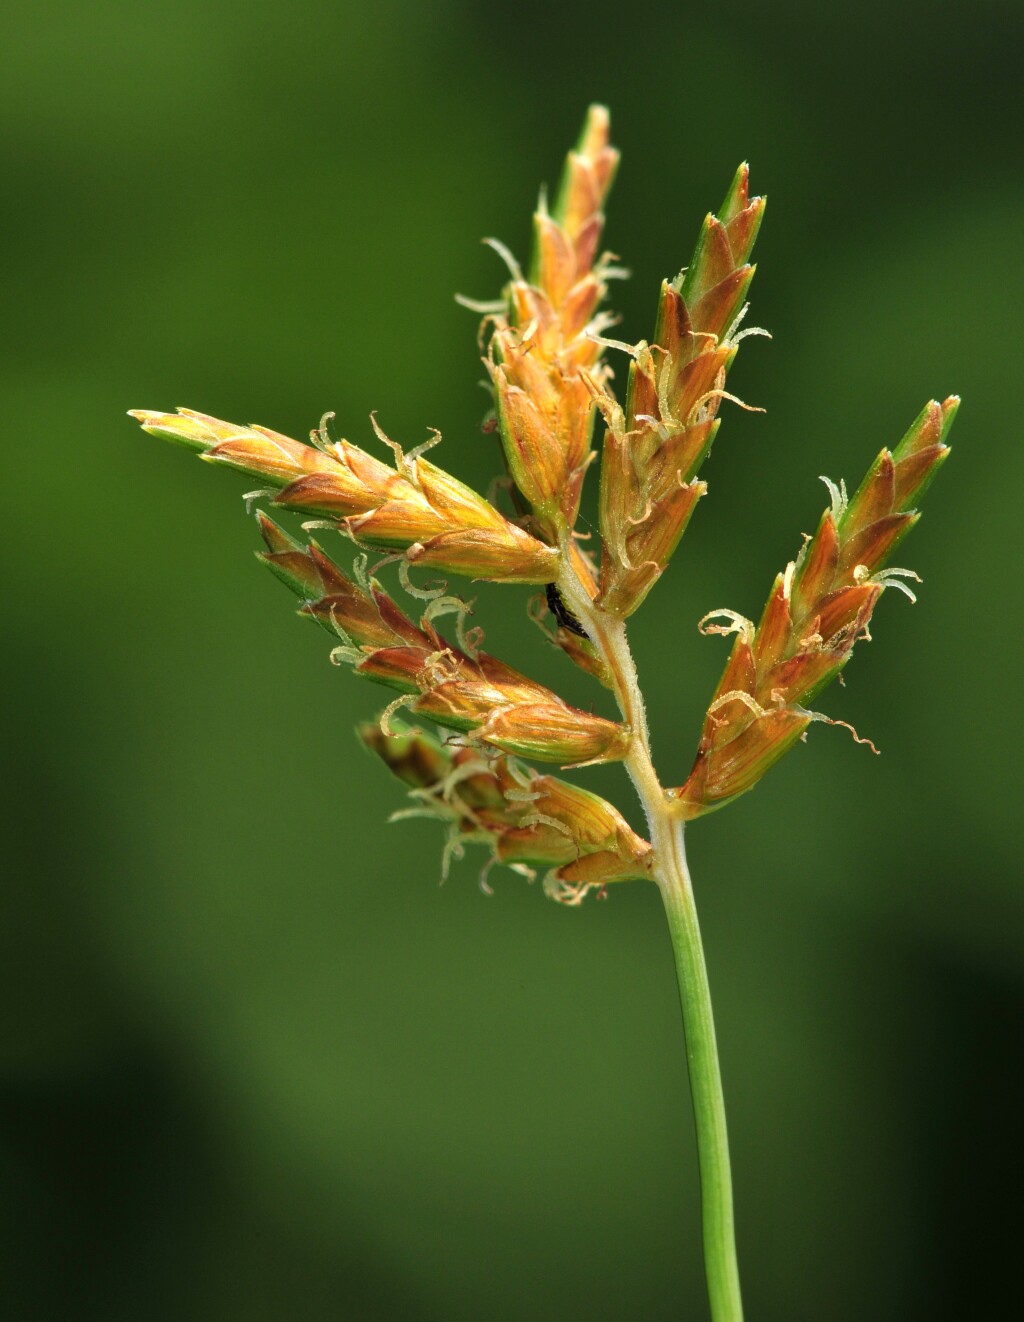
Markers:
<point>253,1062</point>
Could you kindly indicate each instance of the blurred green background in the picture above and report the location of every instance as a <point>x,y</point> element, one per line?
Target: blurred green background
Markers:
<point>255,1064</point>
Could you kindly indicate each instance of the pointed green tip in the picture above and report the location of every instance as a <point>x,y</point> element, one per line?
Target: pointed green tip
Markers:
<point>737,198</point>
<point>950,408</point>
<point>930,427</point>
<point>275,537</point>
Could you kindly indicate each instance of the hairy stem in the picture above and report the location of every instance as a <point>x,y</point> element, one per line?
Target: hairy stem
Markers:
<point>608,634</point>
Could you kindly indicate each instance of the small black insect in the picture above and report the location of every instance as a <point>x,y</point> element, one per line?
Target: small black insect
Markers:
<point>562,613</point>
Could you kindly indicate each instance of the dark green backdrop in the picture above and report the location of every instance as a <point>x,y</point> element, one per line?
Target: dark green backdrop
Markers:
<point>255,1064</point>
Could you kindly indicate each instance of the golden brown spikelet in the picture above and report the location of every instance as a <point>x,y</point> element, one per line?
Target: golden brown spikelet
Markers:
<point>415,506</point>
<point>817,610</point>
<point>461,688</point>
<point>524,819</point>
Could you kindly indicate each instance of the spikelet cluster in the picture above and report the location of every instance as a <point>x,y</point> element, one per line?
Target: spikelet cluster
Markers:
<point>462,688</point>
<point>655,445</point>
<point>817,610</point>
<point>546,349</point>
<point>414,506</point>
<point>523,819</point>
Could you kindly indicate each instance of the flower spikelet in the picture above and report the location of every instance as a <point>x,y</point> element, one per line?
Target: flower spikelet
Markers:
<point>544,356</point>
<point>817,610</point>
<point>459,687</point>
<point>524,819</point>
<point>654,447</point>
<point>414,506</point>
<point>544,343</point>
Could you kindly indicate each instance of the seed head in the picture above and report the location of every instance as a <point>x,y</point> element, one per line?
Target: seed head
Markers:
<point>654,447</point>
<point>415,506</point>
<point>817,610</point>
<point>525,819</point>
<point>461,688</point>
<point>544,342</point>
<point>550,381</point>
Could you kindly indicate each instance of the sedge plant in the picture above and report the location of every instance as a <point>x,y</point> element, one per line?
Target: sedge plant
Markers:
<point>546,360</point>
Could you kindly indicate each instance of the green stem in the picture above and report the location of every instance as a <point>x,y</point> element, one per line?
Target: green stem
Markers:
<point>720,1265</point>
<point>673,878</point>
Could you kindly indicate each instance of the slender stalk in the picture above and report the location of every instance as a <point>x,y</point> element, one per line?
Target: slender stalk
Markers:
<point>720,1263</point>
<point>673,878</point>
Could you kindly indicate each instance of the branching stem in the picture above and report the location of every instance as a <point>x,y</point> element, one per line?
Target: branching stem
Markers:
<point>608,633</point>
